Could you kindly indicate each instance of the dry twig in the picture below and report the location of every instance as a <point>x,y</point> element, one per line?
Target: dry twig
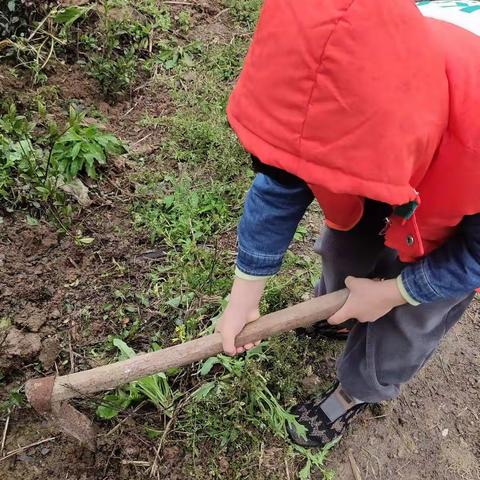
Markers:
<point>4,436</point>
<point>26,447</point>
<point>354,466</point>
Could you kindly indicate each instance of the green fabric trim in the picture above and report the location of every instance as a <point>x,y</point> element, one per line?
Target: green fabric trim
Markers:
<point>246,276</point>
<point>403,291</point>
<point>406,210</point>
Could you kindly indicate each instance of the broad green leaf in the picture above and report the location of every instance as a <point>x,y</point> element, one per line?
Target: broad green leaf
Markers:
<point>126,351</point>
<point>305,472</point>
<point>76,150</point>
<point>69,15</point>
<point>107,412</point>
<point>204,390</point>
<point>113,404</point>
<point>33,222</point>
<point>208,365</point>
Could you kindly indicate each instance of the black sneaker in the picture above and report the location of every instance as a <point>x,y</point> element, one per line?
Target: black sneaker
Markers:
<point>335,332</point>
<point>326,419</point>
<point>323,329</point>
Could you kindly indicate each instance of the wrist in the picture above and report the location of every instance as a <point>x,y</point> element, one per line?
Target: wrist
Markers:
<point>393,293</point>
<point>242,305</point>
<point>246,295</point>
<point>241,312</point>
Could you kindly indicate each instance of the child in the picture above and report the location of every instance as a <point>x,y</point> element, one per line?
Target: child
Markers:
<point>373,110</point>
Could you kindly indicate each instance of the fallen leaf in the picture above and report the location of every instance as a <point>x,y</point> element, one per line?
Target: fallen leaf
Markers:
<point>77,190</point>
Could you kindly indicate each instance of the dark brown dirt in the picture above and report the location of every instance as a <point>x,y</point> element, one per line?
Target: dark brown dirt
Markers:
<point>53,294</point>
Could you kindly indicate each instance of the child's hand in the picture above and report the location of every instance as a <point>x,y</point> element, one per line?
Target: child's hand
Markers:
<point>231,324</point>
<point>241,309</point>
<point>368,301</point>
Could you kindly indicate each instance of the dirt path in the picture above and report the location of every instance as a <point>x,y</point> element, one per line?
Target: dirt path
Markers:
<point>433,431</point>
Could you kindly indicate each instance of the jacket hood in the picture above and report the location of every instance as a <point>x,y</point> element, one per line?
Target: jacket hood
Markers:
<point>348,95</point>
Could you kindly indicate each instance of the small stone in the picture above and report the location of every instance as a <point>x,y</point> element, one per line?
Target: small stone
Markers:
<point>49,240</point>
<point>130,421</point>
<point>45,451</point>
<point>172,453</point>
<point>6,292</point>
<point>401,452</point>
<point>55,313</point>
<point>223,465</point>
<point>5,323</point>
<point>444,432</point>
<point>23,457</point>
<point>132,450</point>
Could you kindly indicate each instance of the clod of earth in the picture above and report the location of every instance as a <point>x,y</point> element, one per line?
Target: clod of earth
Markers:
<point>49,240</point>
<point>311,383</point>
<point>22,345</point>
<point>50,350</point>
<point>30,318</point>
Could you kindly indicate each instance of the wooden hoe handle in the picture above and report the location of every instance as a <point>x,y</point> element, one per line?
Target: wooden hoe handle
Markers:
<point>115,374</point>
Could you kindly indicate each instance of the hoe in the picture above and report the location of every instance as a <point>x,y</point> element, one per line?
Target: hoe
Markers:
<point>49,395</point>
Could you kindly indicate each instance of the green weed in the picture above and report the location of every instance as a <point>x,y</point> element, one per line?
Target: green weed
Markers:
<point>35,158</point>
<point>298,280</point>
<point>245,11</point>
<point>170,55</point>
<point>135,39</point>
<point>187,214</point>
<point>37,35</point>
<point>188,219</point>
<point>82,148</point>
<point>184,19</point>
<point>242,392</point>
<point>115,75</point>
<point>15,399</point>
<point>154,388</point>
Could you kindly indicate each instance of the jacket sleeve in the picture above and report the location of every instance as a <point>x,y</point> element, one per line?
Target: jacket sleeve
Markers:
<point>451,271</point>
<point>272,211</point>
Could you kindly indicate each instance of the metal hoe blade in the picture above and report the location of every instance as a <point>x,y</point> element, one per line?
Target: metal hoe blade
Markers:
<point>66,417</point>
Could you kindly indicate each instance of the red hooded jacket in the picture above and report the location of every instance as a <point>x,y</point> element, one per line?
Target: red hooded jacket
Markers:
<point>367,98</point>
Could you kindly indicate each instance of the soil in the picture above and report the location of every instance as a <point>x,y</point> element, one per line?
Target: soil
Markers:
<point>53,298</point>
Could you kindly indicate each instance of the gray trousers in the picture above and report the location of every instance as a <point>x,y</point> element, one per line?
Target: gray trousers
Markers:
<point>382,355</point>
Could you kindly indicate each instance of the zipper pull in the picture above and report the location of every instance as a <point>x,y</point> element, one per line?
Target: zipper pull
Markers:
<point>388,222</point>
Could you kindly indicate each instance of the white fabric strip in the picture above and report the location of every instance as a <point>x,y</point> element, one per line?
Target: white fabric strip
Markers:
<point>465,14</point>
